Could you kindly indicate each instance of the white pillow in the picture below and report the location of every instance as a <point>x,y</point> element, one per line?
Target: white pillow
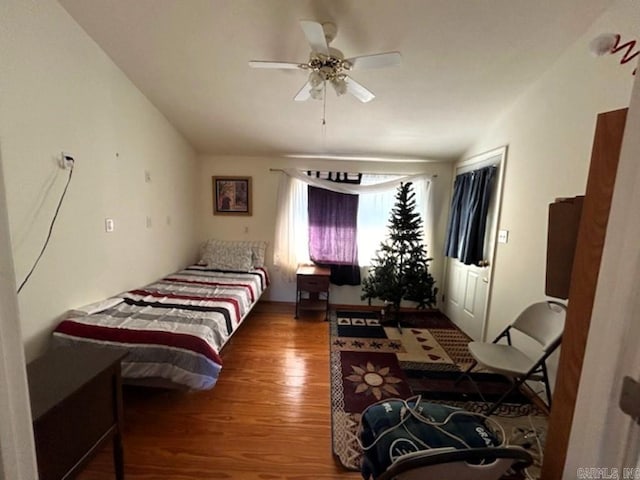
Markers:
<point>258,250</point>
<point>229,257</point>
<point>207,249</point>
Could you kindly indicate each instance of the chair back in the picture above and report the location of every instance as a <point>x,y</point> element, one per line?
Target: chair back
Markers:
<point>489,463</point>
<point>542,321</point>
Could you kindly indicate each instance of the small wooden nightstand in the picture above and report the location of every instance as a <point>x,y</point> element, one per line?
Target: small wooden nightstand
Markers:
<point>312,290</point>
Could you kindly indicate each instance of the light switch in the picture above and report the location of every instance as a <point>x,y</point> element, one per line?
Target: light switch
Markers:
<point>109,225</point>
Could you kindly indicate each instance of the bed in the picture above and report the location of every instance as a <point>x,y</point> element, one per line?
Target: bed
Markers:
<point>173,329</point>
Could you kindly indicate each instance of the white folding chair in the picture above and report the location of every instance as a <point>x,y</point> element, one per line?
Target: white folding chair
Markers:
<point>458,464</point>
<point>544,323</point>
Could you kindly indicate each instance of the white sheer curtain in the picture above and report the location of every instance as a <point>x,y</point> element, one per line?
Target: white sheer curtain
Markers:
<point>377,197</point>
<point>291,245</point>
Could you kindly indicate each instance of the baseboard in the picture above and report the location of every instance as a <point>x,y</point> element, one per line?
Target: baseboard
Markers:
<point>277,305</point>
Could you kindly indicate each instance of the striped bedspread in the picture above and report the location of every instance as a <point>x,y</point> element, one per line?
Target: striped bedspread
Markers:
<point>172,329</point>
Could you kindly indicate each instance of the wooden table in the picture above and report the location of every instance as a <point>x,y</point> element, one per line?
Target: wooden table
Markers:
<point>76,405</point>
<point>312,288</point>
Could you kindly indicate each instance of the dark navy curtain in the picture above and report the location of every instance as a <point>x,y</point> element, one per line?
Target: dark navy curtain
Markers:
<point>468,215</point>
<point>333,220</point>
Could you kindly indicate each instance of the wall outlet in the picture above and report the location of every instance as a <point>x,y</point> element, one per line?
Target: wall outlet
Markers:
<point>503,236</point>
<point>66,160</point>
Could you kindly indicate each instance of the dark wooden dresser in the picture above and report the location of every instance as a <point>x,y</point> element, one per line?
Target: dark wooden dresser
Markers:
<point>76,404</point>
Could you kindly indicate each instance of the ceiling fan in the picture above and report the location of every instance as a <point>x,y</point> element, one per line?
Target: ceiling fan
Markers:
<point>328,65</point>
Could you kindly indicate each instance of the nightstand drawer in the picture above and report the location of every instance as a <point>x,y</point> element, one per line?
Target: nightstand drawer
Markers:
<point>310,283</point>
<point>312,289</point>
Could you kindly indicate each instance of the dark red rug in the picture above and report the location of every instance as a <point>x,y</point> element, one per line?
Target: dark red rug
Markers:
<point>371,362</point>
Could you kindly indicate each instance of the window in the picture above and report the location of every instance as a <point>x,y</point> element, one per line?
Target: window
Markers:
<point>374,212</point>
<point>374,209</point>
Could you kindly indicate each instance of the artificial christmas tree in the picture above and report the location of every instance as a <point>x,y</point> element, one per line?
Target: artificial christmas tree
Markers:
<point>400,269</point>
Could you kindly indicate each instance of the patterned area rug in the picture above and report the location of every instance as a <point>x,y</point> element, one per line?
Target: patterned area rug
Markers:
<point>371,362</point>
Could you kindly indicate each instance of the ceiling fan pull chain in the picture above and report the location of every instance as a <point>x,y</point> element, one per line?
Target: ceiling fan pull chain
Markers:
<point>324,118</point>
<point>324,104</point>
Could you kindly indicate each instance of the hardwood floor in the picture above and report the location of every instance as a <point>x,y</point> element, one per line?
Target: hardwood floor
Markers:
<point>268,417</point>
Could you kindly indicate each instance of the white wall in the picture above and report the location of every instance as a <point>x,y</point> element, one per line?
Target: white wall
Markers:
<point>261,225</point>
<point>549,131</point>
<point>17,451</point>
<point>60,92</point>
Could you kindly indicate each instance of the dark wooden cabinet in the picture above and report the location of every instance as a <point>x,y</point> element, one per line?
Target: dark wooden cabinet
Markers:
<point>76,405</point>
<point>312,288</point>
<point>564,220</point>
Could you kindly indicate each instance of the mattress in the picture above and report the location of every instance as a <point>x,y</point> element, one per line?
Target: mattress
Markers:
<point>172,329</point>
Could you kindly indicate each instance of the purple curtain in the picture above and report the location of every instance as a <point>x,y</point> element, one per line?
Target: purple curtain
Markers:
<point>333,221</point>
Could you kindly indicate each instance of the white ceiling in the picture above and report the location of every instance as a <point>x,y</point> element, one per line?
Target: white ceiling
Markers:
<point>463,62</point>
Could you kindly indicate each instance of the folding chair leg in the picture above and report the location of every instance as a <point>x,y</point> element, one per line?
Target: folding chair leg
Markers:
<point>515,386</point>
<point>545,379</point>
<point>465,373</point>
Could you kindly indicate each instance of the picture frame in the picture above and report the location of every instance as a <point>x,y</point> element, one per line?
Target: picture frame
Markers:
<point>231,195</point>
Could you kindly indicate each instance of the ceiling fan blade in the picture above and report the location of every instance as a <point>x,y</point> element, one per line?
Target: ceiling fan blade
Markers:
<point>378,60</point>
<point>315,36</point>
<point>304,93</point>
<point>267,64</point>
<point>358,91</point>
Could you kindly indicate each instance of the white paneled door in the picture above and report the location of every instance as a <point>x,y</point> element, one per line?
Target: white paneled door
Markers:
<point>468,287</point>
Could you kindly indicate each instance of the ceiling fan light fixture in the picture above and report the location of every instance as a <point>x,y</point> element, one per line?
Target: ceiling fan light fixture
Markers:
<point>316,79</point>
<point>339,85</point>
<point>316,93</point>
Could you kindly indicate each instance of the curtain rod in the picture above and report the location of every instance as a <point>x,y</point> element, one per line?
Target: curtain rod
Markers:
<point>369,173</point>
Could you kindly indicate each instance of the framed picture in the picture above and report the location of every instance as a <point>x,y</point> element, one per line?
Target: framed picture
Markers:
<point>231,195</point>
